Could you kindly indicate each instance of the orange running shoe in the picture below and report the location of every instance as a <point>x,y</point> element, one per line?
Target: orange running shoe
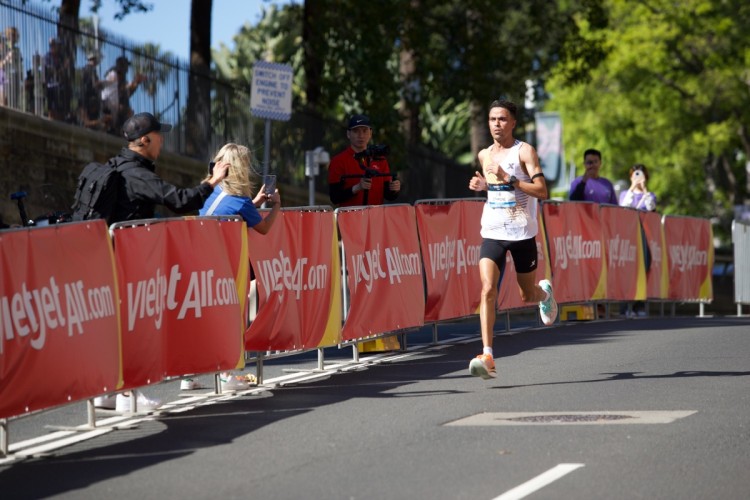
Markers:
<point>483,366</point>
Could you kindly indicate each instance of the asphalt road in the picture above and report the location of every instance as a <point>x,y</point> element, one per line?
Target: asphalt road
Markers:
<point>655,408</point>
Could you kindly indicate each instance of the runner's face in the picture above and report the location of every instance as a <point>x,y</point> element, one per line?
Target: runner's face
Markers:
<point>501,124</point>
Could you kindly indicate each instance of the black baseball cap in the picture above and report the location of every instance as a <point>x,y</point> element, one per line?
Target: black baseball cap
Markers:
<point>141,124</point>
<point>359,121</point>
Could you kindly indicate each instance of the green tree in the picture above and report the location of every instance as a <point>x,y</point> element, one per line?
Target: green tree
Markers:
<point>402,62</point>
<point>670,90</point>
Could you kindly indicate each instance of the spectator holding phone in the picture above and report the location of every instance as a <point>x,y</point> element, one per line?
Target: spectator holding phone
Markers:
<point>233,196</point>
<point>638,196</point>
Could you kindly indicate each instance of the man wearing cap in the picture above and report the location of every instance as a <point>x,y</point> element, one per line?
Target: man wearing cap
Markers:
<point>141,189</point>
<point>354,179</point>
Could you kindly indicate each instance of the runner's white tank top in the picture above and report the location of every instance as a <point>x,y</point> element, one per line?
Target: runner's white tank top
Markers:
<point>508,214</point>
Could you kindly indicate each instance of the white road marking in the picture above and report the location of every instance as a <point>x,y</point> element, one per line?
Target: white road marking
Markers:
<point>538,482</point>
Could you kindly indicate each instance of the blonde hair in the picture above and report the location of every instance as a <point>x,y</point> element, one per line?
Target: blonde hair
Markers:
<point>238,181</point>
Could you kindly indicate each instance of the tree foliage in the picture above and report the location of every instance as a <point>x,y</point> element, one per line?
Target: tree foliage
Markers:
<point>670,90</point>
<point>354,52</point>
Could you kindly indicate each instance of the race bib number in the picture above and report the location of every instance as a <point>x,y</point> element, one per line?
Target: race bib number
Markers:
<point>501,196</point>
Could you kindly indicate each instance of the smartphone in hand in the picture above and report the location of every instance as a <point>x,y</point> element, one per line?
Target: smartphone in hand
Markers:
<point>270,183</point>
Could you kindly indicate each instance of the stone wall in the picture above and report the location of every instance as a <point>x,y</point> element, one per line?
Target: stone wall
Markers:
<point>44,157</point>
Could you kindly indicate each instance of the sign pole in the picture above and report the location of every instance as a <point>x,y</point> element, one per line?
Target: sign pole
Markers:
<point>271,98</point>
<point>267,148</point>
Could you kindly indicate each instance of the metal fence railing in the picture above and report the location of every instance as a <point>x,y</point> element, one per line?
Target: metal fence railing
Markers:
<point>92,78</point>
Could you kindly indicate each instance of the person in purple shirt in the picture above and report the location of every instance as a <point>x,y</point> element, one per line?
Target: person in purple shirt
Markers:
<point>638,196</point>
<point>590,186</point>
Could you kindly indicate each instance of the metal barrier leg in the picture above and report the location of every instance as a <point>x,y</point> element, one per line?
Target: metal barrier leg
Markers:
<point>507,321</point>
<point>321,359</point>
<point>355,353</point>
<point>435,333</point>
<point>91,413</point>
<point>4,447</point>
<point>701,310</point>
<point>259,368</point>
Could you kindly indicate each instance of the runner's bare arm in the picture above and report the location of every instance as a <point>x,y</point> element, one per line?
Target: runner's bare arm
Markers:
<point>537,187</point>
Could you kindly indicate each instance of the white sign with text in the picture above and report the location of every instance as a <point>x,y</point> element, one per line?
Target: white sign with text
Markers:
<point>271,95</point>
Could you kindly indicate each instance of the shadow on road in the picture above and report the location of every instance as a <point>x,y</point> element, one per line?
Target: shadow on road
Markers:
<point>176,435</point>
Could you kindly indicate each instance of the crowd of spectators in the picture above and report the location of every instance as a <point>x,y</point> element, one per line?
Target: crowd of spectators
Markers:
<point>52,86</point>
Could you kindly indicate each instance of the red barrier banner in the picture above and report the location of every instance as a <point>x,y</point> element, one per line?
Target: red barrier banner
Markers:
<point>235,242</point>
<point>384,270</point>
<point>509,295</point>
<point>657,276</point>
<point>59,324</point>
<point>299,283</point>
<point>626,271</point>
<point>576,250</point>
<point>181,309</point>
<point>450,243</point>
<point>690,257</point>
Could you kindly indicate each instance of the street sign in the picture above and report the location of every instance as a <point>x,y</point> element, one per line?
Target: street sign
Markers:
<point>271,96</point>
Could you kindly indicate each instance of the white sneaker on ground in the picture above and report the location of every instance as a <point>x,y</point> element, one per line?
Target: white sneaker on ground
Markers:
<point>188,384</point>
<point>231,382</point>
<point>144,403</point>
<point>107,401</point>
<point>547,308</point>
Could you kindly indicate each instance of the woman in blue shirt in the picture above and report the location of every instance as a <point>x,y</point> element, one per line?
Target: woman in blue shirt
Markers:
<point>233,195</point>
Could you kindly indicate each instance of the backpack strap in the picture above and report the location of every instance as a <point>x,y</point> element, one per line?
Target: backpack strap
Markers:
<point>216,202</point>
<point>121,166</point>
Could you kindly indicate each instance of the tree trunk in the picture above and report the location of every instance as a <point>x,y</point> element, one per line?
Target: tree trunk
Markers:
<point>198,119</point>
<point>409,97</point>
<point>313,44</point>
<point>480,134</point>
<point>67,26</point>
<point>410,84</point>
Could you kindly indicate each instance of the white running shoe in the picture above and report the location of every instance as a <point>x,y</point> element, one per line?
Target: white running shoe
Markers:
<point>106,401</point>
<point>188,384</point>
<point>547,308</point>
<point>231,382</point>
<point>144,403</point>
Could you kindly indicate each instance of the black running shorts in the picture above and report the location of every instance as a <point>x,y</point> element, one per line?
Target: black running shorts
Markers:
<point>523,253</point>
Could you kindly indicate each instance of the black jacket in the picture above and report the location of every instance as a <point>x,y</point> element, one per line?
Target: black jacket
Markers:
<point>140,190</point>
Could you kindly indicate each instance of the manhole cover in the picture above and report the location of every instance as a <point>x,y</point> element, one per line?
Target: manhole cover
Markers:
<point>600,417</point>
<point>567,418</point>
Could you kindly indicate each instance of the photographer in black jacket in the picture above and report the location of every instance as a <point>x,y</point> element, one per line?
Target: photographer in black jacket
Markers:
<point>141,189</point>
